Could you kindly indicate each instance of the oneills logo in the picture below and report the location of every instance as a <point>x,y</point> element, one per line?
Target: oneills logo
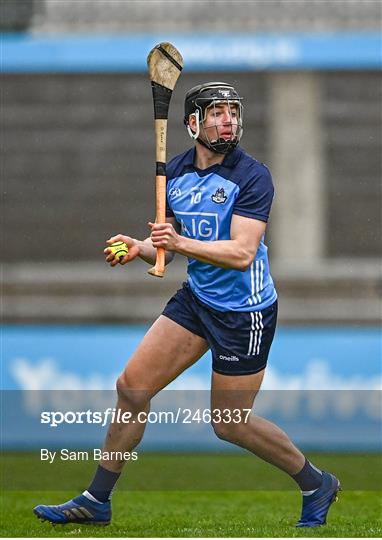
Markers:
<point>228,358</point>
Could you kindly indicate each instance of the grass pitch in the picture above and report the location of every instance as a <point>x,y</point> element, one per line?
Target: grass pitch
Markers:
<point>200,512</point>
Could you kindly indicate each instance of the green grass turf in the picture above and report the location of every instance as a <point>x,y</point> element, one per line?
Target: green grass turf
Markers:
<point>199,514</point>
<point>185,472</point>
<point>191,495</point>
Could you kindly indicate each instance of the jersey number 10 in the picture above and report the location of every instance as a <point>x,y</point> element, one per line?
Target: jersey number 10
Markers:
<point>196,197</point>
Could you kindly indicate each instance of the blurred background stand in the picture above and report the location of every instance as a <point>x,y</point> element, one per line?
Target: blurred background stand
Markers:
<point>78,150</point>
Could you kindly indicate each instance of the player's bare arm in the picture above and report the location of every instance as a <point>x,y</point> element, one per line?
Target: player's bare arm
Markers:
<point>236,253</point>
<point>143,249</point>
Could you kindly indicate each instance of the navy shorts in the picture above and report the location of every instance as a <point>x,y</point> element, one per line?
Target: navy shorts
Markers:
<point>239,341</point>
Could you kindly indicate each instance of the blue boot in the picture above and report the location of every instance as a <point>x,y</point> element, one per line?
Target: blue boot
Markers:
<point>78,510</point>
<point>315,507</point>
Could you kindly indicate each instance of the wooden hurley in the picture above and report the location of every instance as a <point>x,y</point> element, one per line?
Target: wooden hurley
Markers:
<point>165,64</point>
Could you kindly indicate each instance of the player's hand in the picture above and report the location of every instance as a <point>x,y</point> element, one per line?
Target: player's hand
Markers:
<point>131,243</point>
<point>163,235</point>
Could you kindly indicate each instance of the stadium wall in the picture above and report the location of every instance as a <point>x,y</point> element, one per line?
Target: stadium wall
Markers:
<point>78,149</point>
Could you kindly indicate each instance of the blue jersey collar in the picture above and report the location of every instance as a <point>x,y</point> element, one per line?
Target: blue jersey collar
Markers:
<point>230,160</point>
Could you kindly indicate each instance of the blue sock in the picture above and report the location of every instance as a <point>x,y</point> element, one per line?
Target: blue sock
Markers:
<point>103,484</point>
<point>309,478</point>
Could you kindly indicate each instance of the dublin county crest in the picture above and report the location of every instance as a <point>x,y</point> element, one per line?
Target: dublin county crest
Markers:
<point>219,196</point>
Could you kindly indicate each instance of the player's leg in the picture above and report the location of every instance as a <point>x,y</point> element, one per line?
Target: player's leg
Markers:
<point>165,352</point>
<point>263,438</point>
<point>270,443</point>
<point>240,344</point>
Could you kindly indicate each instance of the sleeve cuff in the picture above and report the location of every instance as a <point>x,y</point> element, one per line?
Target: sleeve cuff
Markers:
<point>243,213</point>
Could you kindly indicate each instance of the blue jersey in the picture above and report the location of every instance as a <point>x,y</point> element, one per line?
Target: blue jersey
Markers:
<point>203,202</point>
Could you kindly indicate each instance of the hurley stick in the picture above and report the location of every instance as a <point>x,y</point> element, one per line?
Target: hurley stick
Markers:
<point>165,64</point>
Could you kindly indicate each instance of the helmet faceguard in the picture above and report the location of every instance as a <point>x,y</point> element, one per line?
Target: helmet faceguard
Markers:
<point>199,100</point>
